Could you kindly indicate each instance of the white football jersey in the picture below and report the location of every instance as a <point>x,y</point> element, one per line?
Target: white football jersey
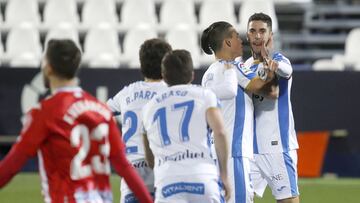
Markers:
<point>128,103</point>
<point>238,111</point>
<point>274,121</point>
<point>178,134</point>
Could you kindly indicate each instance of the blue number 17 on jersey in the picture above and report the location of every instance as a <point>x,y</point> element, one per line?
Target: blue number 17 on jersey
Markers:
<point>160,117</point>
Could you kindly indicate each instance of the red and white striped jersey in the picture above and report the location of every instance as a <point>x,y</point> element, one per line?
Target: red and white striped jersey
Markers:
<point>75,138</point>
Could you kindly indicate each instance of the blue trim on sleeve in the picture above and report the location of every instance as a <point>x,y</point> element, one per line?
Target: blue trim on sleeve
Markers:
<point>280,58</point>
<point>283,113</point>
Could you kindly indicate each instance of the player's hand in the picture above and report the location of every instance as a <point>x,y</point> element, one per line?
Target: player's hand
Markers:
<point>270,74</point>
<point>270,65</point>
<point>227,188</point>
<point>264,53</point>
<point>273,65</point>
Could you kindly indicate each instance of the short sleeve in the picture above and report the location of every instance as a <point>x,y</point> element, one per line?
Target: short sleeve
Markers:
<point>207,79</point>
<point>210,99</point>
<point>223,82</point>
<point>114,104</point>
<point>33,132</point>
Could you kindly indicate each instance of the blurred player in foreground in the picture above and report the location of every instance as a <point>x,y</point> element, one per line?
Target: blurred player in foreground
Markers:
<point>177,139</point>
<point>74,136</point>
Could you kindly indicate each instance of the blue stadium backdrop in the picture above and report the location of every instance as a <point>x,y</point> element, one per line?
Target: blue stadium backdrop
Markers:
<point>321,101</point>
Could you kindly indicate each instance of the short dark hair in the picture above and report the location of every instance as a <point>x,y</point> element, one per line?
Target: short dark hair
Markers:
<point>151,53</point>
<point>177,67</point>
<point>261,17</point>
<point>213,36</point>
<point>64,57</point>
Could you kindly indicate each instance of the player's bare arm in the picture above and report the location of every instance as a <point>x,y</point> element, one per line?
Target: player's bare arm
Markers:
<point>149,156</point>
<point>216,123</point>
<point>263,87</point>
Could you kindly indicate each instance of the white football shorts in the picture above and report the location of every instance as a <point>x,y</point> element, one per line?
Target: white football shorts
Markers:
<point>279,171</point>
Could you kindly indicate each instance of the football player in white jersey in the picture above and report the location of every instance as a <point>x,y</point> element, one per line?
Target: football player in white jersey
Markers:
<point>275,141</point>
<point>233,85</point>
<point>128,104</point>
<point>177,126</point>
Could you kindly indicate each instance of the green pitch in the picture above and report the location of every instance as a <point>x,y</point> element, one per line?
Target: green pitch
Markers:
<point>25,187</point>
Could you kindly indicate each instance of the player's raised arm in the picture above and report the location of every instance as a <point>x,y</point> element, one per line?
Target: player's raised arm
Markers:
<point>284,68</point>
<point>228,88</point>
<point>253,83</point>
<point>278,63</point>
<point>216,123</point>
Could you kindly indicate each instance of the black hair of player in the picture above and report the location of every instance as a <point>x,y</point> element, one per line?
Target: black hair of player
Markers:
<point>261,17</point>
<point>213,36</point>
<point>64,57</point>
<point>177,67</point>
<point>151,53</point>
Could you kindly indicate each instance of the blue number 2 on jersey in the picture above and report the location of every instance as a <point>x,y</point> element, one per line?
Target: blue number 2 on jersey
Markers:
<point>160,118</point>
<point>132,118</point>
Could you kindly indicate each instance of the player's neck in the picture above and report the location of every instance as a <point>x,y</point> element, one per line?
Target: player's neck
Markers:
<point>224,56</point>
<point>152,80</point>
<point>56,83</point>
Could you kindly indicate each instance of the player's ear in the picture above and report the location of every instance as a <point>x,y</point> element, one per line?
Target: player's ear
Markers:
<point>50,69</point>
<point>44,67</point>
<point>228,43</point>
